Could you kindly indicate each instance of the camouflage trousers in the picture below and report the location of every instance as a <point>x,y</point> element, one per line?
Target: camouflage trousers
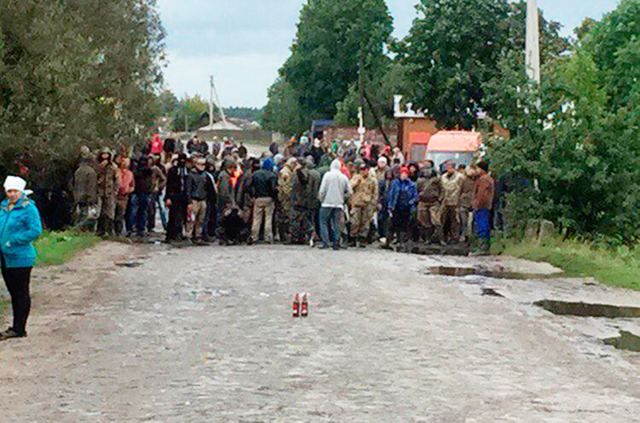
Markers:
<point>361,221</point>
<point>301,225</point>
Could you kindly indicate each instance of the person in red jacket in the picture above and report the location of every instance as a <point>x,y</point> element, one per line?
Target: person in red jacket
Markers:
<point>156,145</point>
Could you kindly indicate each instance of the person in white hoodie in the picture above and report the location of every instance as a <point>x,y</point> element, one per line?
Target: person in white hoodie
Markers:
<point>334,190</point>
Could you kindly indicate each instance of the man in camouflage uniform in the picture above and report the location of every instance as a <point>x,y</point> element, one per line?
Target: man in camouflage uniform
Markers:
<point>85,194</point>
<point>303,199</point>
<point>430,200</point>
<point>363,202</point>
<point>107,184</point>
<point>283,211</point>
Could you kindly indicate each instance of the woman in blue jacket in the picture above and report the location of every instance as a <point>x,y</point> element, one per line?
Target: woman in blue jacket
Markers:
<point>20,225</point>
<point>403,199</point>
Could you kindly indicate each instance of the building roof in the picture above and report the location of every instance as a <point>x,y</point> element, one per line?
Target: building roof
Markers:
<point>455,141</point>
<point>221,126</point>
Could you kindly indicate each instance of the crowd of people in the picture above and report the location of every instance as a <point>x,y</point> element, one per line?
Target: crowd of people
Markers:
<point>331,194</point>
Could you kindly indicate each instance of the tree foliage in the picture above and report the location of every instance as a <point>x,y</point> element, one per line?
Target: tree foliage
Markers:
<point>283,113</point>
<point>574,154</point>
<point>455,47</point>
<point>337,42</point>
<point>73,73</point>
<point>190,113</point>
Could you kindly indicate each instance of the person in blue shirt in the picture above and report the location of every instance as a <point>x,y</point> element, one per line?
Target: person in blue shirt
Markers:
<point>20,226</point>
<point>403,198</point>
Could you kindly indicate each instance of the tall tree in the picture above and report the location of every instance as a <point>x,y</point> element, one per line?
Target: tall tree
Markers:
<point>454,47</point>
<point>75,72</point>
<point>615,45</point>
<point>283,113</point>
<point>335,41</point>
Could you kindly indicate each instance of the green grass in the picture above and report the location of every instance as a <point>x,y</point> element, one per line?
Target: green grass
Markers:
<point>619,268</point>
<point>59,247</point>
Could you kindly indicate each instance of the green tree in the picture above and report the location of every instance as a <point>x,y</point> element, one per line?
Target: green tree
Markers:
<point>283,113</point>
<point>455,47</point>
<point>73,73</point>
<point>335,42</point>
<point>190,113</point>
<point>568,148</point>
<point>615,45</point>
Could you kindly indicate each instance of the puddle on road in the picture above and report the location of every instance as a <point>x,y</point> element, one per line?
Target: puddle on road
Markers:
<point>495,274</point>
<point>626,341</point>
<point>563,308</point>
<point>129,264</point>
<point>490,292</point>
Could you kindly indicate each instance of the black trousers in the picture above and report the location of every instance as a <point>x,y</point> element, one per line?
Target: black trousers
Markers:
<point>177,219</point>
<point>17,281</point>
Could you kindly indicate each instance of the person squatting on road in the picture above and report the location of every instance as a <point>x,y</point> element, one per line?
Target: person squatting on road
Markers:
<point>20,226</point>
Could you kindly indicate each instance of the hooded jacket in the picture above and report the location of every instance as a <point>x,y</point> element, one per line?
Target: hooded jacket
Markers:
<point>335,187</point>
<point>85,184</point>
<point>19,227</point>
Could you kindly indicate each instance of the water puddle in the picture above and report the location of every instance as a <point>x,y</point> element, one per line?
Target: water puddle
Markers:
<point>626,341</point>
<point>563,308</point>
<point>489,273</point>
<point>129,264</point>
<point>490,292</point>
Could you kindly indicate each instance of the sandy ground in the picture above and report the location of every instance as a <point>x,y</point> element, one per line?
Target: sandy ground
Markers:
<point>205,334</point>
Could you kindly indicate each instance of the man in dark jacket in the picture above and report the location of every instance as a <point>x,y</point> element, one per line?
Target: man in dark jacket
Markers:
<point>303,200</point>
<point>176,198</point>
<point>198,188</point>
<point>141,197</point>
<point>264,189</point>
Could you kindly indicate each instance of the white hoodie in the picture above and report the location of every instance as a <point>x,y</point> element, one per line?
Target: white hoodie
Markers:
<point>335,187</point>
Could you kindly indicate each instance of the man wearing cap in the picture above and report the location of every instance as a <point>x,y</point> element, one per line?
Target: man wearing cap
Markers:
<point>20,226</point>
<point>198,187</point>
<point>264,191</point>
<point>452,187</point>
<point>403,198</point>
<point>365,194</point>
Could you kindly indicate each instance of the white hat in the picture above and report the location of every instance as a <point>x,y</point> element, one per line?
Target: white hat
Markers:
<point>15,182</point>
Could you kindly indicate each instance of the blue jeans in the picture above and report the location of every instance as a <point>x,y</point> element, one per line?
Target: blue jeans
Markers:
<point>330,225</point>
<point>139,212</point>
<point>482,221</point>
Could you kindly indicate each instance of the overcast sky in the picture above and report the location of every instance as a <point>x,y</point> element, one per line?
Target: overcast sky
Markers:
<point>243,43</point>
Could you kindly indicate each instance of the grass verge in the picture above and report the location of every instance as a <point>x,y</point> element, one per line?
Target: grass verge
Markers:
<point>59,247</point>
<point>619,268</point>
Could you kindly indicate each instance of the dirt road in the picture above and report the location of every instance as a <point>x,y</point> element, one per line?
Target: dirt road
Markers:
<point>205,334</point>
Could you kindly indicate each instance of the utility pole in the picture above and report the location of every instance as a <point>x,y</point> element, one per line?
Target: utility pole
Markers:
<point>361,129</point>
<point>211,101</point>
<point>533,41</point>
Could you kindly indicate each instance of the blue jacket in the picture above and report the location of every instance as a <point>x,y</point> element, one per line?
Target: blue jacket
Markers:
<point>18,229</point>
<point>403,195</point>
